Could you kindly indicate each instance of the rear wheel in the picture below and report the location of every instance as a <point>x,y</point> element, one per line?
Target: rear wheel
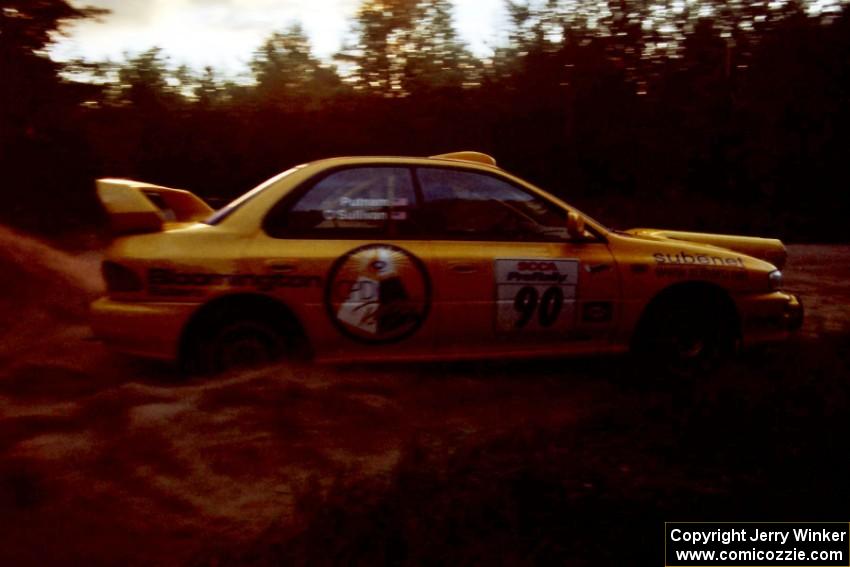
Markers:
<point>237,338</point>
<point>244,344</point>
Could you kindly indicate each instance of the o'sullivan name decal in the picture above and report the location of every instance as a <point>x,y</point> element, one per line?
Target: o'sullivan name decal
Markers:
<point>535,294</point>
<point>378,294</point>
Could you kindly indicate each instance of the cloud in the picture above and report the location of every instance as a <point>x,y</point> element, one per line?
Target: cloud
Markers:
<point>140,12</point>
<point>225,33</point>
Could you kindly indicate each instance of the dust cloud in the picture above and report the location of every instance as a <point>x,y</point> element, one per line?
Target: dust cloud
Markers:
<point>105,459</point>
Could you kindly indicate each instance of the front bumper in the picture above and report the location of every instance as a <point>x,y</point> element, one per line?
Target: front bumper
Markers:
<point>150,330</point>
<point>770,317</point>
<point>794,313</point>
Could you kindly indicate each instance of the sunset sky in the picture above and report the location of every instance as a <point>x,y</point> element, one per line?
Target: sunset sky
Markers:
<point>224,33</point>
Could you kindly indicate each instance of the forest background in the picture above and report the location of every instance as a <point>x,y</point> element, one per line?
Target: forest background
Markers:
<point>728,117</point>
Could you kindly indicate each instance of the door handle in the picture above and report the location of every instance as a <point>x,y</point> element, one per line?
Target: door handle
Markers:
<point>281,266</point>
<point>596,268</point>
<point>462,268</point>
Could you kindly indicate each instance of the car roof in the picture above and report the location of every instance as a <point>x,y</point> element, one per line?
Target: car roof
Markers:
<point>470,158</point>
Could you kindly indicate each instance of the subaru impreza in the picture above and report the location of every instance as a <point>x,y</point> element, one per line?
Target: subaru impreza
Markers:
<point>408,258</point>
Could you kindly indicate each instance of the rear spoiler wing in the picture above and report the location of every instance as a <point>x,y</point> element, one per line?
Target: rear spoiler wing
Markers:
<point>136,207</point>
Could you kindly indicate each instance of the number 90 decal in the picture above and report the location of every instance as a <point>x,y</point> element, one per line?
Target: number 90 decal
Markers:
<point>535,294</point>
<point>528,301</point>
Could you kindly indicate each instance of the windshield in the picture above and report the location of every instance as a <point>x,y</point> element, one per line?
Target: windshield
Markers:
<point>231,207</point>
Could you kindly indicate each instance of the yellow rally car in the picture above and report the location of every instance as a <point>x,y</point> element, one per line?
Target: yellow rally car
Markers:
<point>399,258</point>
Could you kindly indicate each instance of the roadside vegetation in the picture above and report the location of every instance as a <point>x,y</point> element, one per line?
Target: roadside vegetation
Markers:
<point>760,440</point>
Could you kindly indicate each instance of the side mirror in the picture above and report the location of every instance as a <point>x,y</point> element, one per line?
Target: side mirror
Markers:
<point>575,225</point>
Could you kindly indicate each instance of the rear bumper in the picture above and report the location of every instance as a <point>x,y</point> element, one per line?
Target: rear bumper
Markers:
<point>150,330</point>
<point>770,317</point>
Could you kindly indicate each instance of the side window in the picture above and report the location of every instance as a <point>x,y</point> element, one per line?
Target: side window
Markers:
<point>474,206</point>
<point>362,201</point>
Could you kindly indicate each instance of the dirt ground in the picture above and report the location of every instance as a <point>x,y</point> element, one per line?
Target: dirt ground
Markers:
<point>108,461</point>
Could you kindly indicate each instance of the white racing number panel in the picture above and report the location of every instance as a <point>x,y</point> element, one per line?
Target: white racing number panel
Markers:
<point>535,295</point>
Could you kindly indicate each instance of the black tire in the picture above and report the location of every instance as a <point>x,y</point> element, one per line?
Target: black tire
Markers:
<point>232,340</point>
<point>685,337</point>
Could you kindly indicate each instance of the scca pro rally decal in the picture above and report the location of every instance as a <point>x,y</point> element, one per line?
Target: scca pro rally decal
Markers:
<point>378,294</point>
<point>535,294</point>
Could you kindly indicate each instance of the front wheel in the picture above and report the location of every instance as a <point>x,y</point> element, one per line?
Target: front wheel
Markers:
<point>685,338</point>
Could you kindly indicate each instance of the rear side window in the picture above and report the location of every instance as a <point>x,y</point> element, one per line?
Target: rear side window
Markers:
<point>350,203</point>
<point>233,206</point>
<point>464,205</point>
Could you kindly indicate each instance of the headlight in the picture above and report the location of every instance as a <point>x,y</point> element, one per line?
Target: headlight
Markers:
<point>774,280</point>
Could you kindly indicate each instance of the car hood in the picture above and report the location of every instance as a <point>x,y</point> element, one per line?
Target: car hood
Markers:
<point>769,249</point>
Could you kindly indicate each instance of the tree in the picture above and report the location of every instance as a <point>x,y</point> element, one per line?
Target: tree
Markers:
<point>146,82</point>
<point>287,73</point>
<point>434,55</point>
<point>379,52</point>
<point>407,46</point>
<point>38,116</point>
<point>208,90</point>
<point>31,82</point>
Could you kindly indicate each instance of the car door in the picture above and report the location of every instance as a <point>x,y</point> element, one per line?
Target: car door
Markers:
<point>508,277</point>
<point>349,242</point>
